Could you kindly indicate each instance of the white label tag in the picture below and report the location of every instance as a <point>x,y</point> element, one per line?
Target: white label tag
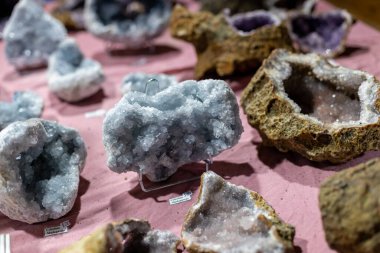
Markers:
<point>183,198</point>
<point>94,114</point>
<point>61,229</point>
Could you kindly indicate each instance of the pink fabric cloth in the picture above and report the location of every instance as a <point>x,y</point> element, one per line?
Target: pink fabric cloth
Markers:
<point>286,180</point>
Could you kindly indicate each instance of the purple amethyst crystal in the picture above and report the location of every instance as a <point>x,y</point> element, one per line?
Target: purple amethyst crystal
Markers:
<point>324,33</point>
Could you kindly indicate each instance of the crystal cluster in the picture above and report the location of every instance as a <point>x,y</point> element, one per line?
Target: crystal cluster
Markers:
<point>25,105</point>
<point>305,104</point>
<point>156,134</point>
<point>71,76</point>
<point>230,218</point>
<point>31,35</point>
<point>40,162</point>
<point>142,82</point>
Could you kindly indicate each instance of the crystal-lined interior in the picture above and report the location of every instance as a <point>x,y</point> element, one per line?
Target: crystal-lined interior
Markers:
<point>248,23</point>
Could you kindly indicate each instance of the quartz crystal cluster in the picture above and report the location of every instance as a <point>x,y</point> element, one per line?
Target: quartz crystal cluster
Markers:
<point>25,105</point>
<point>31,35</point>
<point>131,235</point>
<point>156,134</point>
<point>40,162</point>
<point>71,76</point>
<point>350,204</point>
<point>229,218</point>
<point>306,104</point>
<point>142,82</point>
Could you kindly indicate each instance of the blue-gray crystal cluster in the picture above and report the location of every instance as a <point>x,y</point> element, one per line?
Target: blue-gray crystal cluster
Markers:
<point>156,134</point>
<point>149,83</point>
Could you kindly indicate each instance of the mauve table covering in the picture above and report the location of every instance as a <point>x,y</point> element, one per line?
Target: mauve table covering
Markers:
<point>286,180</point>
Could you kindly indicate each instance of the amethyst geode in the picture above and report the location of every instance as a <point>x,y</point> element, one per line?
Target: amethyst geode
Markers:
<point>324,33</point>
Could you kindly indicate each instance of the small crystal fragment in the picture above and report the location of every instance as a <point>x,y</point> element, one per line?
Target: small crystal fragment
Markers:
<point>142,82</point>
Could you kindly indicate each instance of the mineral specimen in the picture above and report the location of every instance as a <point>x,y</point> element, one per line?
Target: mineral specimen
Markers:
<point>132,23</point>
<point>129,236</point>
<point>350,205</point>
<point>31,35</point>
<point>324,33</point>
<point>156,134</point>
<point>40,162</point>
<point>25,105</point>
<point>147,82</point>
<point>71,76</point>
<point>6,8</point>
<point>70,13</point>
<point>227,45</point>
<point>306,104</point>
<point>229,218</point>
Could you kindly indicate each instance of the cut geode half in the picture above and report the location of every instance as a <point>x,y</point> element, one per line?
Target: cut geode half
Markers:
<point>143,82</point>
<point>350,204</point>
<point>306,104</point>
<point>40,162</point>
<point>132,235</point>
<point>229,218</point>
<point>25,105</point>
<point>184,123</point>
<point>132,23</point>
<point>228,45</point>
<point>71,76</point>
<point>324,33</point>
<point>31,35</point>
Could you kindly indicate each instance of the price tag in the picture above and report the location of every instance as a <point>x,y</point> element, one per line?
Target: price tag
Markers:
<point>95,114</point>
<point>61,229</point>
<point>183,198</point>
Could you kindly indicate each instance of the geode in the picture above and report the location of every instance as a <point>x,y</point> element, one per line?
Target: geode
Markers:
<point>227,45</point>
<point>350,205</point>
<point>305,104</point>
<point>324,33</point>
<point>230,218</point>
<point>147,83</point>
<point>71,76</point>
<point>70,13</point>
<point>31,35</point>
<point>40,162</point>
<point>132,23</point>
<point>131,235</point>
<point>25,105</point>
<point>156,134</point>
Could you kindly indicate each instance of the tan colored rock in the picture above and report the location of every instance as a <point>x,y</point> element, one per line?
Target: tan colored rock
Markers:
<point>221,47</point>
<point>350,206</point>
<point>229,218</point>
<point>306,104</point>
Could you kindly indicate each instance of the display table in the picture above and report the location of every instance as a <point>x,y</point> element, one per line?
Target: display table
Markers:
<point>287,181</point>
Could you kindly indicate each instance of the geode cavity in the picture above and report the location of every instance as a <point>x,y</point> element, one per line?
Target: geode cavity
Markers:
<point>40,162</point>
<point>226,45</point>
<point>230,218</point>
<point>147,83</point>
<point>305,104</point>
<point>156,134</point>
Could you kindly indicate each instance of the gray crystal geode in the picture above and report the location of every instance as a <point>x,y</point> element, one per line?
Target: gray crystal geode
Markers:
<point>71,76</point>
<point>229,218</point>
<point>132,23</point>
<point>31,35</point>
<point>324,33</point>
<point>149,83</point>
<point>184,123</point>
<point>25,105</point>
<point>40,162</point>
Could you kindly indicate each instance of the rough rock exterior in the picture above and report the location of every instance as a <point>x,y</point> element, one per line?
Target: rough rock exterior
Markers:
<point>350,205</point>
<point>156,134</point>
<point>40,162</point>
<point>31,35</point>
<point>71,76</point>
<point>303,103</point>
<point>25,105</point>
<point>129,236</point>
<point>220,47</point>
<point>229,218</point>
<point>70,13</point>
<point>149,83</point>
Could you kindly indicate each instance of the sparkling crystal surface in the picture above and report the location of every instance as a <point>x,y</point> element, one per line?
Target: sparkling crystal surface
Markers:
<point>143,82</point>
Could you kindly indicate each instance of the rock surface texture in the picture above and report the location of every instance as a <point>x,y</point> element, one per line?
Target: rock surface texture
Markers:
<point>350,205</point>
<point>229,218</point>
<point>71,76</point>
<point>40,162</point>
<point>129,236</point>
<point>70,13</point>
<point>156,134</point>
<point>303,103</point>
<point>31,35</point>
<point>25,105</point>
<point>147,83</point>
<point>225,47</point>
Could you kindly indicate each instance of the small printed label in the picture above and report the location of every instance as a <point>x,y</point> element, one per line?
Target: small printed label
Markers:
<point>94,114</point>
<point>61,229</point>
<point>183,198</point>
